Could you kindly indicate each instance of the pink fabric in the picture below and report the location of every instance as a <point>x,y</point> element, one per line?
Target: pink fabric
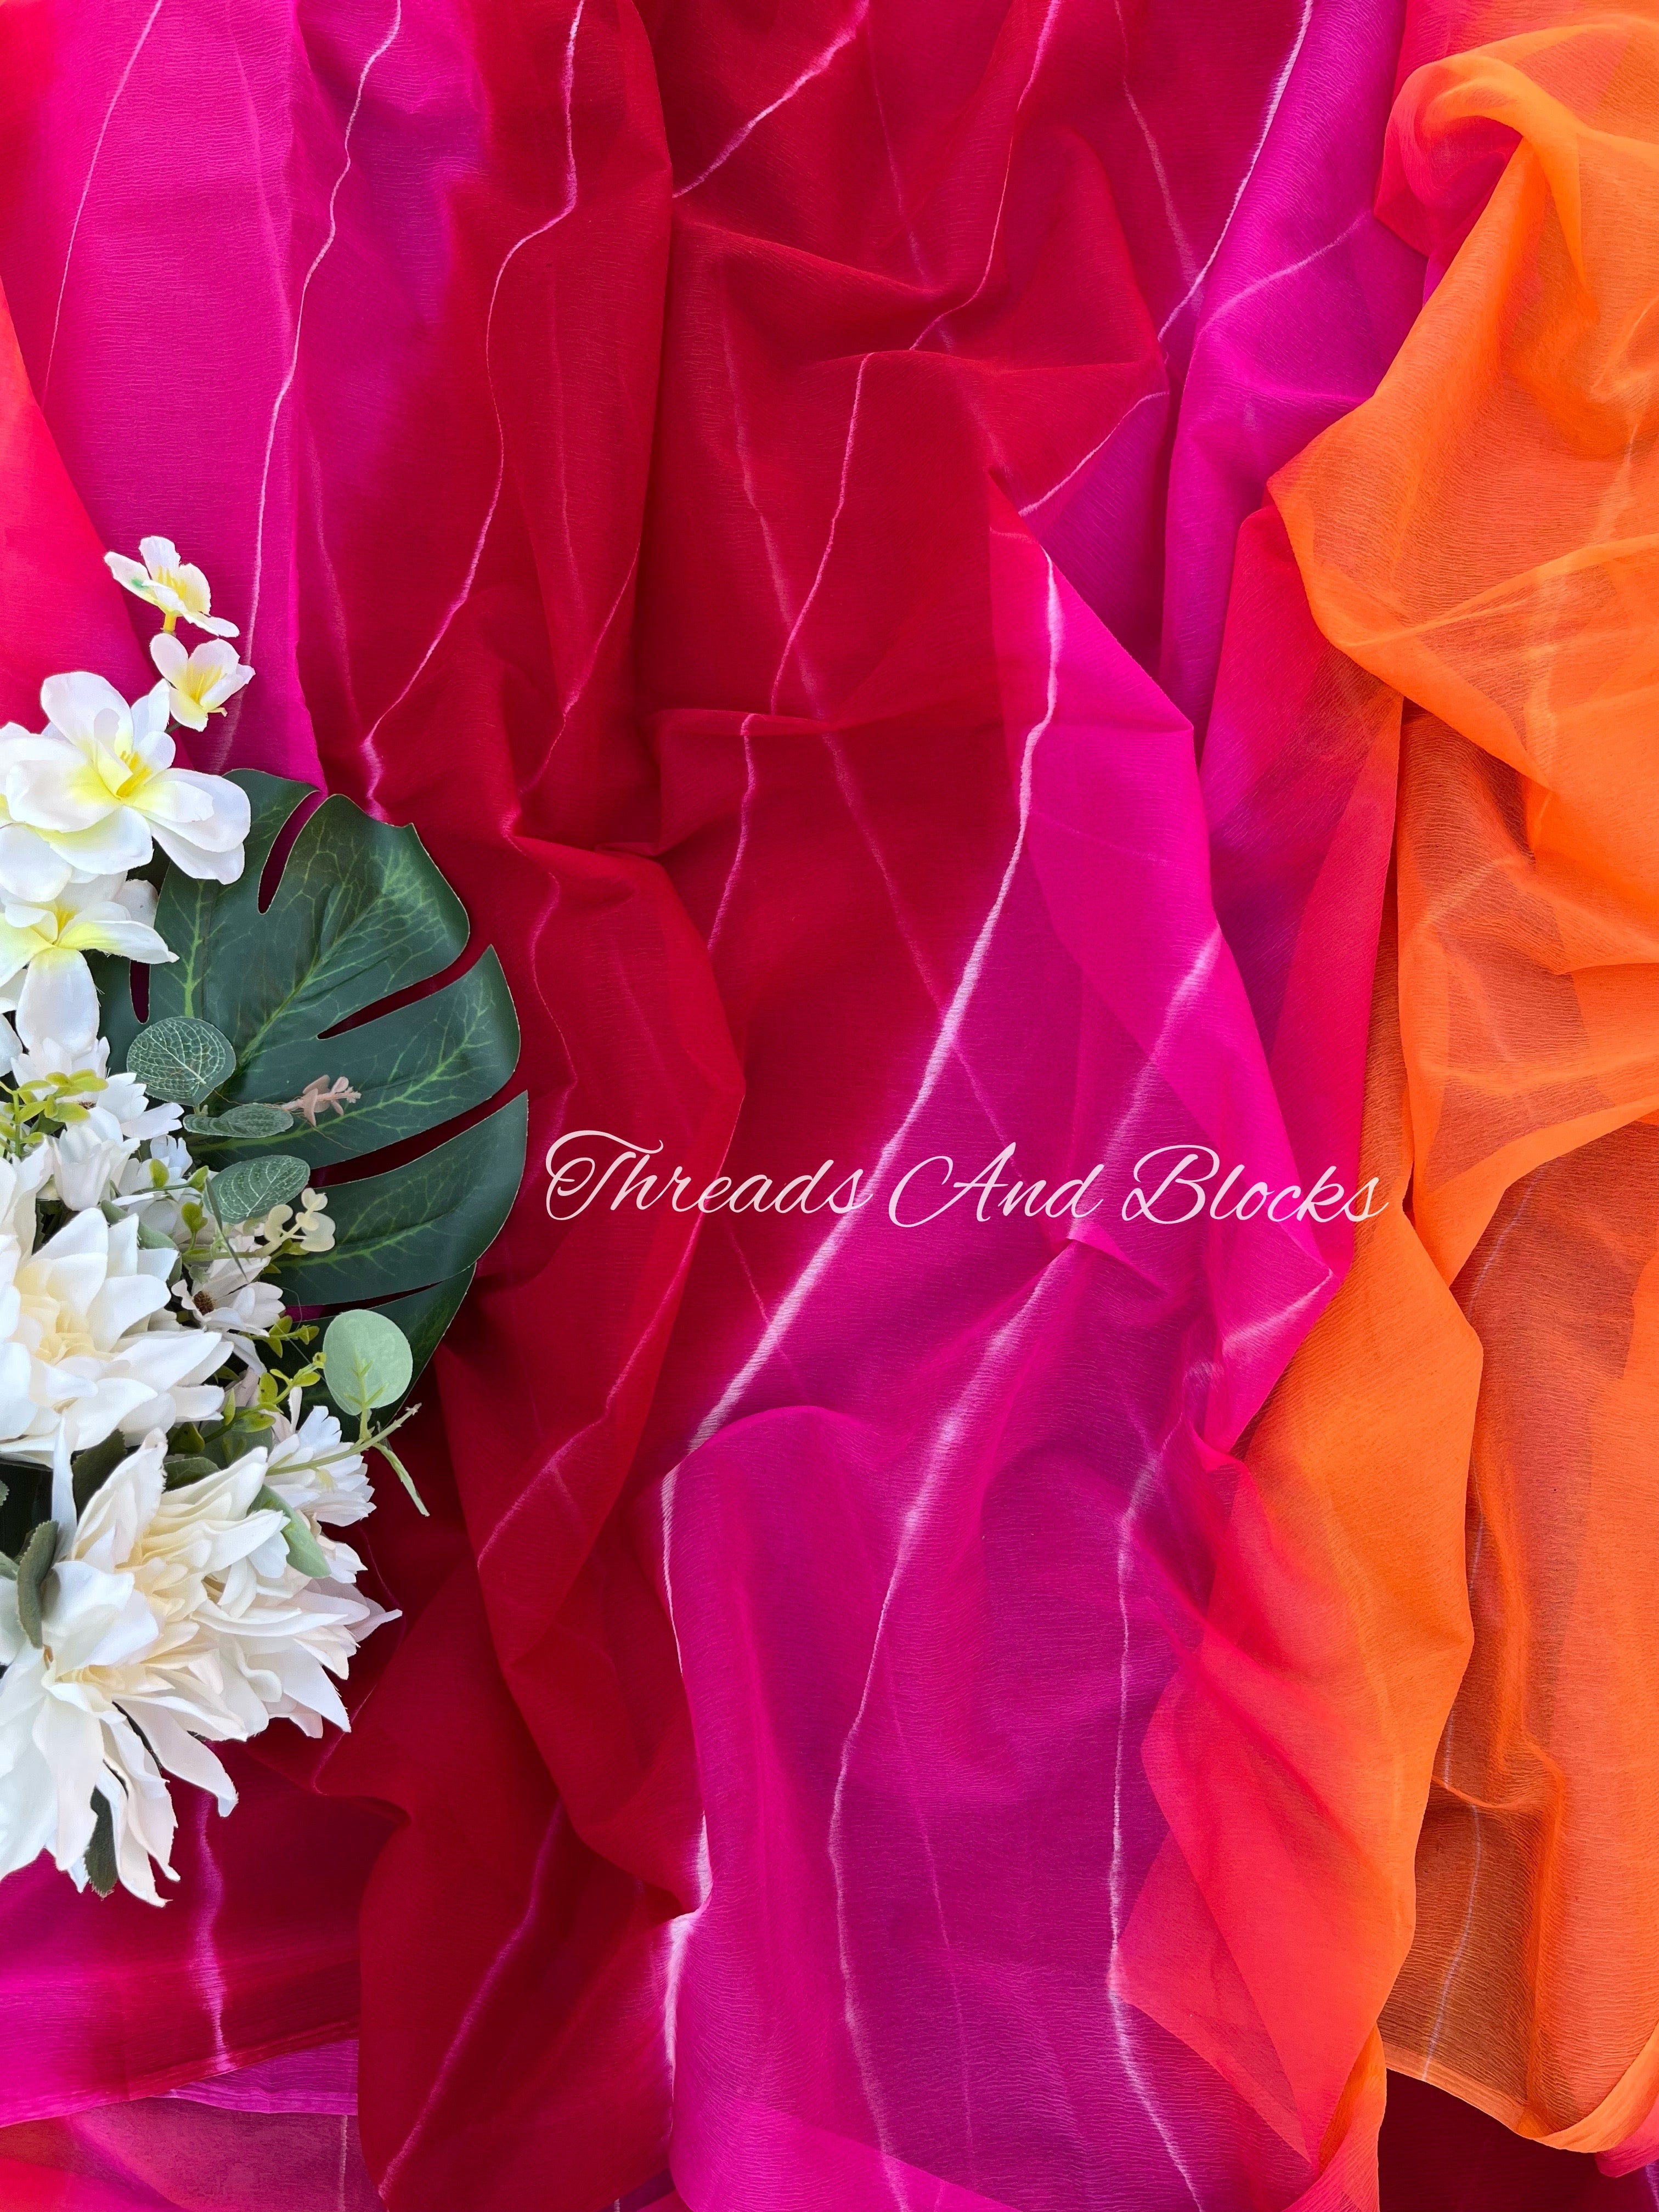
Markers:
<point>156,2155</point>
<point>322,2079</point>
<point>114,1998</point>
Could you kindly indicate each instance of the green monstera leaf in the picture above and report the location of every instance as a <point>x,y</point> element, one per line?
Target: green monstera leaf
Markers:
<point>359,913</point>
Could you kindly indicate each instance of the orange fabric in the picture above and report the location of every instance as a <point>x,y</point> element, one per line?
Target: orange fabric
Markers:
<point>1292,1755</point>
<point>1483,537</point>
<point>1411,1763</point>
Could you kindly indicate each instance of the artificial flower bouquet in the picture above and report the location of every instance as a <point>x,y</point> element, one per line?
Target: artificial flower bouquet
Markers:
<point>200,1348</point>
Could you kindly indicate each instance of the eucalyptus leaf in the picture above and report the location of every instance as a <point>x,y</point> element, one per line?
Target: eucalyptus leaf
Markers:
<point>181,1059</point>
<point>252,1119</point>
<point>35,1564</point>
<point>247,1189</point>
<point>366,1361</point>
<point>423,1316</point>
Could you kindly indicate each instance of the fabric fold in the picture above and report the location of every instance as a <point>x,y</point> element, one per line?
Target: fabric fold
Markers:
<point>1480,537</point>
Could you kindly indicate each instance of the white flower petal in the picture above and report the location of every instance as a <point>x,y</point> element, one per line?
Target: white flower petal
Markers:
<point>188,711</point>
<point>29,869</point>
<point>111,929</point>
<point>167,651</point>
<point>59,999</point>
<point>126,570</point>
<point>205,864</point>
<point>73,703</point>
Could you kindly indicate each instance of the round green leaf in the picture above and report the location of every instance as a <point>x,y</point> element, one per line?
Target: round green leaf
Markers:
<point>255,1119</point>
<point>181,1059</point>
<point>366,1361</point>
<point>247,1189</point>
<point>249,1121</point>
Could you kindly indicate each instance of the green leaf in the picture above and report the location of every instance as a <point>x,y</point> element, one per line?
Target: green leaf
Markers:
<point>357,914</point>
<point>366,1361</point>
<point>250,1120</point>
<point>423,1316</point>
<point>247,1189</point>
<point>421,1066</point>
<point>360,913</point>
<point>304,1554</point>
<point>94,1467</point>
<point>417,1224</point>
<point>118,1018</point>
<point>181,1468</point>
<point>35,1564</point>
<point>101,1868</point>
<point>181,1059</point>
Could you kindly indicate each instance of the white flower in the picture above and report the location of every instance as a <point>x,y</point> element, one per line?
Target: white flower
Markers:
<point>172,1154</point>
<point>226,1295</point>
<point>153,1189</point>
<point>29,869</point>
<point>178,588</point>
<point>21,1184</point>
<point>87,1344</point>
<point>99,783</point>
<point>125,1638</point>
<point>228,1288</point>
<point>175,1610</point>
<point>318,1476</point>
<point>286,1633</point>
<point>201,682</point>
<point>43,969</point>
<point>313,1470</point>
<point>90,1156</point>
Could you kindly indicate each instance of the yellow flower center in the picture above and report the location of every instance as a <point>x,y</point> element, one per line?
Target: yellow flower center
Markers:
<point>118,772</point>
<point>173,581</point>
<point>54,1330</point>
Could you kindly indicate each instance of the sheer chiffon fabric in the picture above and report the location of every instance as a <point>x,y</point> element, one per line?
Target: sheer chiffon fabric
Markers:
<point>883,1715</point>
<point>1490,554</point>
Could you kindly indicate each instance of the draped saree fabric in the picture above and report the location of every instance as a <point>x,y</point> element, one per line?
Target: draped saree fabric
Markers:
<point>1021,582</point>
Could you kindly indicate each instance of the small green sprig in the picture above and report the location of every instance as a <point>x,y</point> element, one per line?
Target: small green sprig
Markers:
<point>33,1111</point>
<point>368,1363</point>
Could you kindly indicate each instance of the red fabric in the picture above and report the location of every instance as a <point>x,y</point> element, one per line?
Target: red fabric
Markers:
<point>1438,2150</point>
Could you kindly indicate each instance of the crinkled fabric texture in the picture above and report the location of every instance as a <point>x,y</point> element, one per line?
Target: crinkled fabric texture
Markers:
<point>891,1716</point>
